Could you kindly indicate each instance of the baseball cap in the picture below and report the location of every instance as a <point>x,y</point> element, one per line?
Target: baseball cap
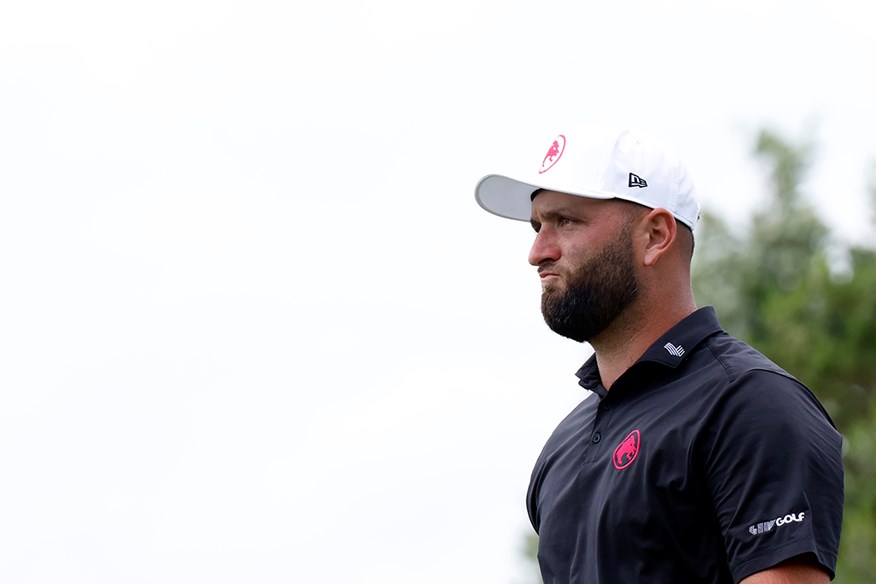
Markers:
<point>598,164</point>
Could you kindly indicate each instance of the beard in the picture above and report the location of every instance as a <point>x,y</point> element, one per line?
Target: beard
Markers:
<point>597,292</point>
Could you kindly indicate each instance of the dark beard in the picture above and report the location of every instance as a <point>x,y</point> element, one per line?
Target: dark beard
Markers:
<point>596,293</point>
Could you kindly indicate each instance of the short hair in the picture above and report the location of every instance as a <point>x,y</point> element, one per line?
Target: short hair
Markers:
<point>687,238</point>
<point>685,233</point>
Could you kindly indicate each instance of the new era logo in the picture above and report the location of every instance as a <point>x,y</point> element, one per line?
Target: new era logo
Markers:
<point>637,181</point>
<point>673,350</point>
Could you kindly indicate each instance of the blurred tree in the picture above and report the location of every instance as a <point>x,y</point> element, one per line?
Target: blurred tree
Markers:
<point>807,300</point>
<point>529,553</point>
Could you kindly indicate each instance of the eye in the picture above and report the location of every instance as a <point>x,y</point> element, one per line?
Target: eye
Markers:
<point>565,221</point>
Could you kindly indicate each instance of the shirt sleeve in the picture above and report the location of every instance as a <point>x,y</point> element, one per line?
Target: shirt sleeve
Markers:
<point>772,460</point>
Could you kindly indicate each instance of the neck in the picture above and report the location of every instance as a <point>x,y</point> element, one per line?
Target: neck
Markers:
<point>632,333</point>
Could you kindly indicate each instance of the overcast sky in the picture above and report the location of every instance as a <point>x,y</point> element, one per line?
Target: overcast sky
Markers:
<point>254,327</point>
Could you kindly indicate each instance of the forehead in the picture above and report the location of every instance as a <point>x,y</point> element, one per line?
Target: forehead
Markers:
<point>545,202</point>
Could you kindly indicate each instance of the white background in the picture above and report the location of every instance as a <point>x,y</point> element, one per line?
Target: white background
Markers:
<point>253,326</point>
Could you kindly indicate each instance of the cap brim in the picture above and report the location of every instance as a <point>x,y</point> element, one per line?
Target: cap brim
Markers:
<point>512,199</point>
<point>505,196</point>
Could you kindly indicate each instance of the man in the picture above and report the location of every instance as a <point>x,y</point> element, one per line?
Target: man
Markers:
<point>695,458</point>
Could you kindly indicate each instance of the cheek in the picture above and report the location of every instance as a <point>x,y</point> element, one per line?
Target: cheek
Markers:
<point>576,257</point>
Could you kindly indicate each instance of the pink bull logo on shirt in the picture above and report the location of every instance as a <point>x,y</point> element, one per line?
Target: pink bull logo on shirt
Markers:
<point>627,451</point>
<point>553,154</point>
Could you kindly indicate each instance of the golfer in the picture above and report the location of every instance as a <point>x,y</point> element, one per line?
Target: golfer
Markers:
<point>694,458</point>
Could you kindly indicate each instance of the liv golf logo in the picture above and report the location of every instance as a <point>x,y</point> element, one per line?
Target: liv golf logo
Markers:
<point>778,522</point>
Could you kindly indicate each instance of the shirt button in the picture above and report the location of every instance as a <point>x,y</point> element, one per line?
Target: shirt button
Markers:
<point>596,437</point>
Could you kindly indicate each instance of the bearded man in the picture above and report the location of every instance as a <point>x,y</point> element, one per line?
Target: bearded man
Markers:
<point>694,458</point>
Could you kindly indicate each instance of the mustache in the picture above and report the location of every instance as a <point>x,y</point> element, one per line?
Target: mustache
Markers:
<point>549,268</point>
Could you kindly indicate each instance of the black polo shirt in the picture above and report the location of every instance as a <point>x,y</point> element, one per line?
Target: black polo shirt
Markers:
<point>705,462</point>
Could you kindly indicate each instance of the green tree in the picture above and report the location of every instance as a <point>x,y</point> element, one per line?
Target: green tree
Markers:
<point>778,287</point>
<point>529,554</point>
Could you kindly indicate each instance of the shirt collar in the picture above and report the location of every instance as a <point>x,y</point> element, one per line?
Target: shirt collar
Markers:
<point>669,350</point>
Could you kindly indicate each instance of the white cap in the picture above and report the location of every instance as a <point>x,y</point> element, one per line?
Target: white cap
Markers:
<point>599,165</point>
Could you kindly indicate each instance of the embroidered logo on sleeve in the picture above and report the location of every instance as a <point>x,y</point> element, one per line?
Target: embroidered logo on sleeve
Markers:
<point>777,522</point>
<point>627,451</point>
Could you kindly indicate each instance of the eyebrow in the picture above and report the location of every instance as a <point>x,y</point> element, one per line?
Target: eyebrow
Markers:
<point>555,213</point>
<point>562,211</point>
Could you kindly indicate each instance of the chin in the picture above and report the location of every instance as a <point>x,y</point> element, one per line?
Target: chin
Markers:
<point>552,287</point>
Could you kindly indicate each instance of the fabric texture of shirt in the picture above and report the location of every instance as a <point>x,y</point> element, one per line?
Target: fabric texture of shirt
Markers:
<point>706,462</point>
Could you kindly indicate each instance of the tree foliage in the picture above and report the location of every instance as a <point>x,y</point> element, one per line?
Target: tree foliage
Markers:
<point>778,286</point>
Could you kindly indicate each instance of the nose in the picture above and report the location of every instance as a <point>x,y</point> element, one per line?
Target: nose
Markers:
<point>544,248</point>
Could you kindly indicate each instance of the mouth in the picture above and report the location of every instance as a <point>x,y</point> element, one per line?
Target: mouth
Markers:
<point>547,276</point>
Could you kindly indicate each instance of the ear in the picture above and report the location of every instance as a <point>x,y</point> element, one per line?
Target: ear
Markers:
<point>661,231</point>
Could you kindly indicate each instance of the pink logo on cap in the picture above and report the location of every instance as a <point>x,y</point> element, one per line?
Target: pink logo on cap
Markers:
<point>553,154</point>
